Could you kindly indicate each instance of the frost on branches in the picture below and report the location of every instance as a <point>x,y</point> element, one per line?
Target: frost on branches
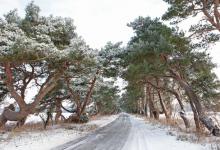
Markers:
<point>35,51</point>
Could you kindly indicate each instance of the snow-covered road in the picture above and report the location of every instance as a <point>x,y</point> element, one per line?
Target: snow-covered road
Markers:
<point>110,137</point>
<point>130,133</point>
<point>145,136</point>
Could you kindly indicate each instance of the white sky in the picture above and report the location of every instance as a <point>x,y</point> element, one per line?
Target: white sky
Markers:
<point>99,21</point>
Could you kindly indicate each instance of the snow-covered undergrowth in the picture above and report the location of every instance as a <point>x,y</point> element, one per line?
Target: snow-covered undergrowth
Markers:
<point>50,138</point>
<point>177,121</point>
<point>147,135</point>
<point>177,130</point>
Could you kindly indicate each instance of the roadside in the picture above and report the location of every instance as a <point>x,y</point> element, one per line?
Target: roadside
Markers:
<point>110,137</point>
<point>54,136</point>
<point>130,132</point>
<point>147,136</point>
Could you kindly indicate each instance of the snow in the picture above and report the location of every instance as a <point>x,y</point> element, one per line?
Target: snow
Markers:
<point>39,140</point>
<point>50,138</point>
<point>33,119</point>
<point>103,121</point>
<point>146,136</point>
<point>143,135</point>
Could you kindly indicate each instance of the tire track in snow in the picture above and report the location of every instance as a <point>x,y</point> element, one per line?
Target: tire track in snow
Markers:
<point>129,133</point>
<point>110,137</point>
<point>145,136</point>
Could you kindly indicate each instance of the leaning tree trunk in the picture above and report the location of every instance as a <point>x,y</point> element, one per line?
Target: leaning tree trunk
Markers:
<point>162,103</point>
<point>89,93</point>
<point>163,106</point>
<point>81,105</point>
<point>196,117</point>
<point>10,115</point>
<point>182,112</point>
<point>205,120</point>
<point>25,109</point>
<point>3,119</point>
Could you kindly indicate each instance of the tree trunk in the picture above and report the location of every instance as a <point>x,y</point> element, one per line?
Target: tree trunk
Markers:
<point>47,119</point>
<point>196,117</point>
<point>153,111</point>
<point>163,106</point>
<point>11,115</point>
<point>81,105</point>
<point>146,100</point>
<point>143,106</point>
<point>185,119</point>
<point>25,109</point>
<point>208,122</point>
<point>162,103</point>
<point>58,110</point>
<point>3,119</point>
<point>89,93</point>
<point>150,102</point>
<point>182,112</point>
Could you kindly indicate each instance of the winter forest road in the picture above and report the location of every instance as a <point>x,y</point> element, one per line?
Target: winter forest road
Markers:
<point>110,137</point>
<point>129,133</point>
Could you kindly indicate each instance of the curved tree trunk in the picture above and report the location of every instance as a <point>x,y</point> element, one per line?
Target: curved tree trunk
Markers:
<point>182,112</point>
<point>196,117</point>
<point>163,106</point>
<point>162,103</point>
<point>3,119</point>
<point>88,94</point>
<point>205,120</point>
<point>25,109</point>
<point>10,115</point>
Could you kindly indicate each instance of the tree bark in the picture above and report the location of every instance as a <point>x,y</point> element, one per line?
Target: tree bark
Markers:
<point>146,100</point>
<point>3,119</point>
<point>58,110</point>
<point>89,93</point>
<point>196,117</point>
<point>205,120</point>
<point>25,109</point>
<point>153,111</point>
<point>182,112</point>
<point>162,103</point>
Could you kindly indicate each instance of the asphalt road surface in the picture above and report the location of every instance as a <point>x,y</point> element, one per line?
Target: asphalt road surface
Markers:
<point>128,132</point>
<point>110,137</point>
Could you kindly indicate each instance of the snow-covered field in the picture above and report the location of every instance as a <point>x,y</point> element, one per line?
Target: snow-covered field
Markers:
<point>52,137</point>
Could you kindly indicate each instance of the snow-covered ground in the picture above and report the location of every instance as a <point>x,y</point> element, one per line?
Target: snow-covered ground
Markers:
<point>143,135</point>
<point>103,121</point>
<point>36,118</point>
<point>147,136</point>
<point>52,137</point>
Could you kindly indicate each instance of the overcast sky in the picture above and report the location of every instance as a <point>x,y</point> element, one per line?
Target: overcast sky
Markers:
<point>99,21</point>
